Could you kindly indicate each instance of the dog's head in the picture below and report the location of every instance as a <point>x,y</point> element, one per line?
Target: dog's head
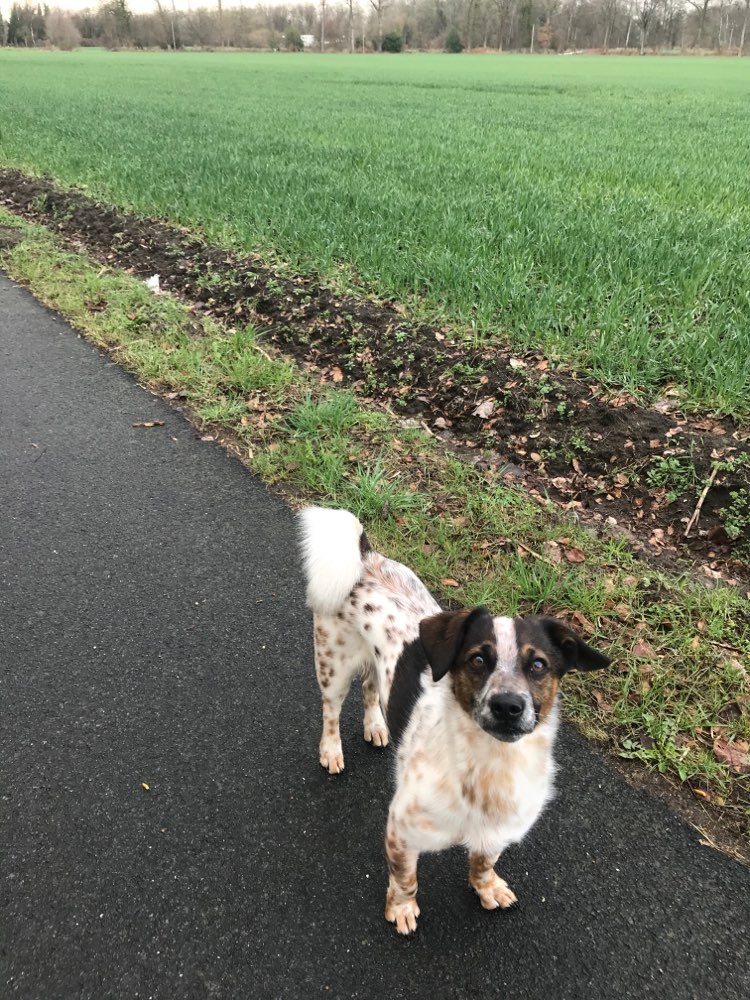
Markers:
<point>505,672</point>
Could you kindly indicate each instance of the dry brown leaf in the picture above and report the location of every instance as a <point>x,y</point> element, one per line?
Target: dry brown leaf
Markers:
<point>338,375</point>
<point>448,581</point>
<point>149,423</point>
<point>575,555</point>
<point>582,621</point>
<point>642,649</point>
<point>680,740</point>
<point>732,754</point>
<point>484,409</point>
<point>601,700</point>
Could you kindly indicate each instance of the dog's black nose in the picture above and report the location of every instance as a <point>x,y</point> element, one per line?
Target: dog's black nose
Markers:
<point>507,707</point>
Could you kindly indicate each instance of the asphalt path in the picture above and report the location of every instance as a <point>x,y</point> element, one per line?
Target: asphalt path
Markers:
<point>153,630</point>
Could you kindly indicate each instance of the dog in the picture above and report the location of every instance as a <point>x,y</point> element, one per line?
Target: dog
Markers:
<point>470,703</point>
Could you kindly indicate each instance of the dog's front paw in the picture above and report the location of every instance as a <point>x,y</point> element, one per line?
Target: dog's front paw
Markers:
<point>332,757</point>
<point>495,892</point>
<point>376,733</point>
<point>403,915</point>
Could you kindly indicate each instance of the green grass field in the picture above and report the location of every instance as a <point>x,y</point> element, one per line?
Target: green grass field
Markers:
<point>597,208</point>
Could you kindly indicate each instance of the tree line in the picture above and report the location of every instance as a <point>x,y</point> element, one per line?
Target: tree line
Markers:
<point>394,26</point>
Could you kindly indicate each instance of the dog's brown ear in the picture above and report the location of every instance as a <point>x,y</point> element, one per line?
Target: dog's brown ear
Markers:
<point>443,636</point>
<point>575,653</point>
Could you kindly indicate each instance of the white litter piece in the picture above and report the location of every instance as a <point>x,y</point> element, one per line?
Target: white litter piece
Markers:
<point>152,284</point>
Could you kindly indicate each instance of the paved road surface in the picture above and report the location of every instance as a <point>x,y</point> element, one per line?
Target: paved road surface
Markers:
<point>152,629</point>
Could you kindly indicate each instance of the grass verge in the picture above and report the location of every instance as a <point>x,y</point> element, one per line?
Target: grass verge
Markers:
<point>677,697</point>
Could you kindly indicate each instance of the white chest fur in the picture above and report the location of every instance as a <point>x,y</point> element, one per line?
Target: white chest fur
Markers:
<point>459,785</point>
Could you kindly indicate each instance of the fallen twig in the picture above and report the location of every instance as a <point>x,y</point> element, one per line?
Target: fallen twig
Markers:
<point>535,554</point>
<point>697,512</point>
<point>262,353</point>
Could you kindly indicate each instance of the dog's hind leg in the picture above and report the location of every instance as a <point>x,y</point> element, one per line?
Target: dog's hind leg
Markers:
<point>375,729</point>
<point>339,653</point>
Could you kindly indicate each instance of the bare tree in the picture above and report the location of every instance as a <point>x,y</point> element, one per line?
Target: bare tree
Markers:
<point>322,25</point>
<point>609,14</point>
<point>630,23</point>
<point>351,25</point>
<point>744,28</point>
<point>221,23</point>
<point>505,10</point>
<point>646,10</point>
<point>702,7</point>
<point>61,32</point>
<point>573,9</point>
<point>173,19</point>
<point>379,6</point>
<point>473,9</point>
<point>168,25</point>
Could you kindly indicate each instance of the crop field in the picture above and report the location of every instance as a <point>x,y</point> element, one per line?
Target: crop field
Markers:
<point>597,209</point>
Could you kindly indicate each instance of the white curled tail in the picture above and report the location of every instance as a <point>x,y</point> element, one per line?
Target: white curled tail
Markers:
<point>332,549</point>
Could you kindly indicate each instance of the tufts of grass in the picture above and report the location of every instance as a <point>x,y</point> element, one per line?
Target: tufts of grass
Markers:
<point>246,369</point>
<point>335,414</point>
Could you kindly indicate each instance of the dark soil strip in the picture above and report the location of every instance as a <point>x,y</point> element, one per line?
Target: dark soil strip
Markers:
<point>632,468</point>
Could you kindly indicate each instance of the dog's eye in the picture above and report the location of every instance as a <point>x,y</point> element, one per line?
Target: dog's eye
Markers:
<point>538,666</point>
<point>477,660</point>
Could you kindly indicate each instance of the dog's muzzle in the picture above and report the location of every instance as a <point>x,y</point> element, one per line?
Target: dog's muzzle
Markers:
<point>508,716</point>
